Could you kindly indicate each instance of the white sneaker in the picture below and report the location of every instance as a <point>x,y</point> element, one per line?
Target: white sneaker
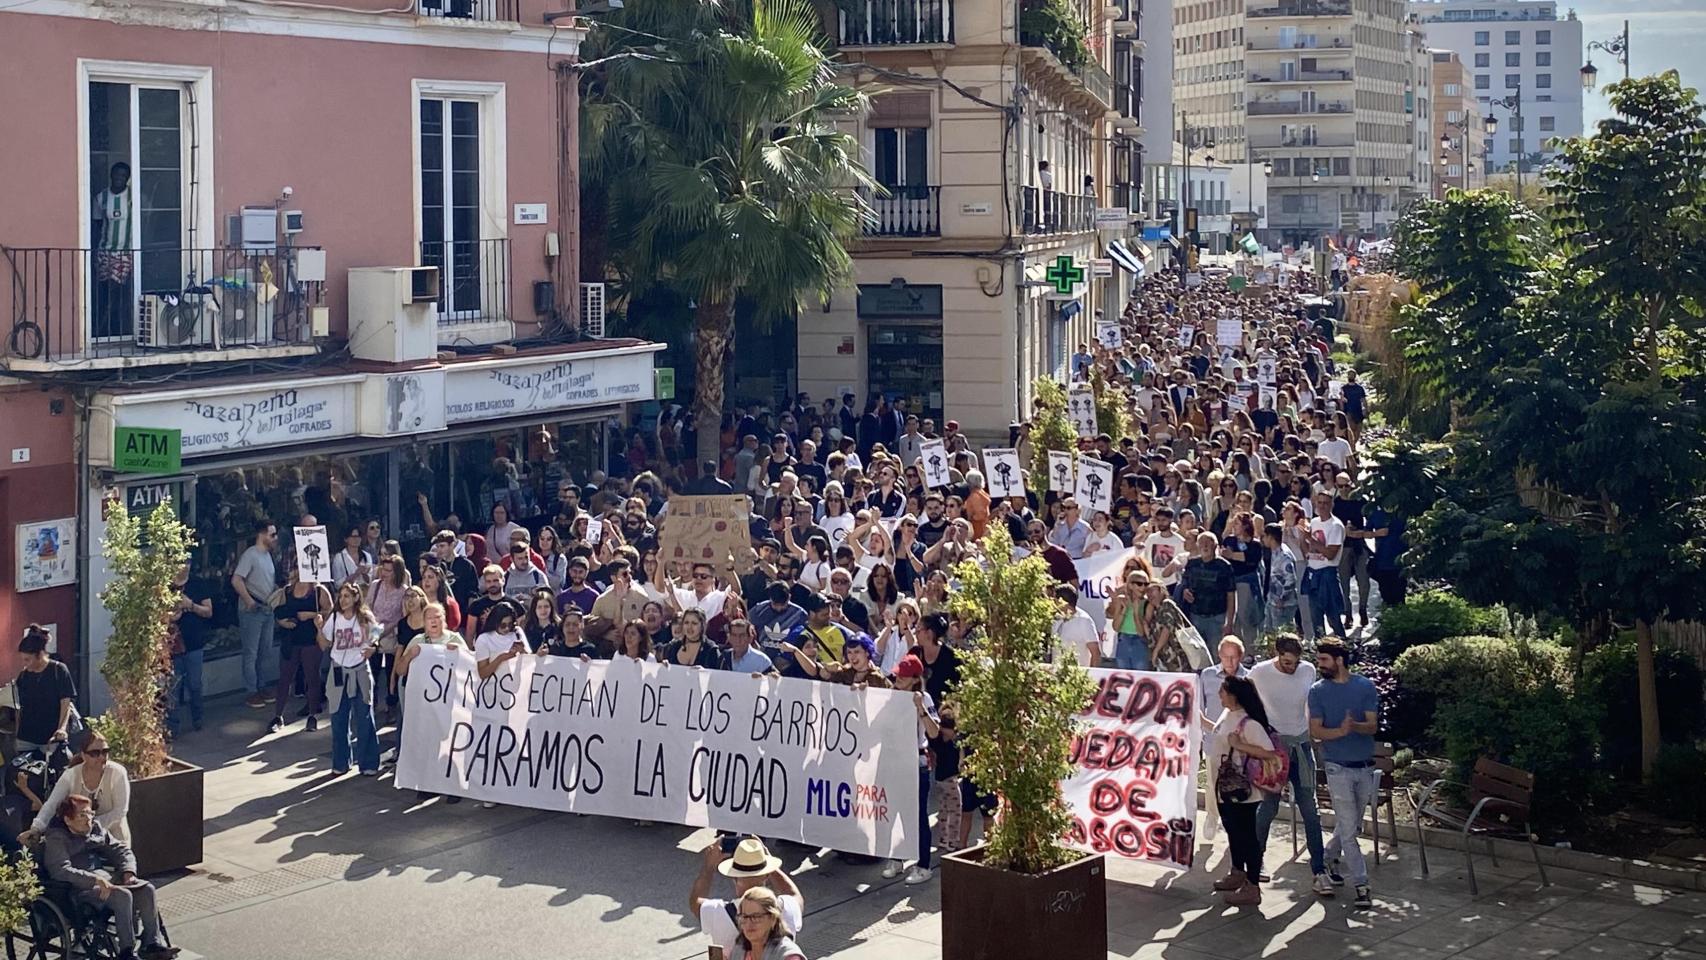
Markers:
<point>1322,885</point>
<point>389,756</point>
<point>891,869</point>
<point>487,805</point>
<point>917,875</point>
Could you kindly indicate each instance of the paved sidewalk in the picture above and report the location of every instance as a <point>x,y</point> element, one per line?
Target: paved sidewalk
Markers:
<point>304,864</point>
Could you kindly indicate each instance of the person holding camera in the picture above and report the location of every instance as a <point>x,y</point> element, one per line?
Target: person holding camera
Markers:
<point>745,861</point>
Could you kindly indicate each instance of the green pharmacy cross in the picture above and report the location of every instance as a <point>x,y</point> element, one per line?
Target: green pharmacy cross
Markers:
<point>1064,274</point>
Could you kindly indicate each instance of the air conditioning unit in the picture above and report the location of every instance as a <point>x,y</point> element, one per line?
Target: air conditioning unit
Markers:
<point>173,321</point>
<point>393,313</point>
<point>592,309</point>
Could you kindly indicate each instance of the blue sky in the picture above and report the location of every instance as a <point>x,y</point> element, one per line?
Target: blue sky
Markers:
<point>1663,35</point>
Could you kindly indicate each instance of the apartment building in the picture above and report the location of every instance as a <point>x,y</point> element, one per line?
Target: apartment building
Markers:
<point>1010,174</point>
<point>1518,50</point>
<point>1458,132</point>
<point>279,260</point>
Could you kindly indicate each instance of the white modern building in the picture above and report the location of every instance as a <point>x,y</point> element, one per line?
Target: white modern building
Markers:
<point>1514,49</point>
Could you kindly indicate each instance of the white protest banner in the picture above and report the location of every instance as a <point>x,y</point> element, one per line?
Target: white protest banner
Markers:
<point>1187,335</point>
<point>1095,487</point>
<point>1004,476</point>
<point>816,763</point>
<point>313,558</point>
<point>837,527</point>
<point>1098,578</point>
<point>1228,332</point>
<point>1109,335</point>
<point>1060,472</point>
<point>594,531</point>
<point>1081,409</point>
<point>1133,790</point>
<point>934,454</point>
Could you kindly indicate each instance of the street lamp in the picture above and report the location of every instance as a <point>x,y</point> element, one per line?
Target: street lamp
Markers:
<point>1618,47</point>
<point>1512,103</point>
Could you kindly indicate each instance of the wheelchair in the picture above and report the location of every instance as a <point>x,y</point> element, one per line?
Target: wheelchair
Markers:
<point>62,927</point>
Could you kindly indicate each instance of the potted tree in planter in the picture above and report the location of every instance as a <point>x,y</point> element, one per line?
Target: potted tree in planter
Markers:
<point>143,554</point>
<point>1022,892</point>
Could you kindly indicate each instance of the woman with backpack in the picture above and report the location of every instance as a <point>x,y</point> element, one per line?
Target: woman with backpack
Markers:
<point>1245,768</point>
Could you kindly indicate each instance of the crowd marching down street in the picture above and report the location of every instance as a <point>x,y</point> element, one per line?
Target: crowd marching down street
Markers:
<point>1231,544</point>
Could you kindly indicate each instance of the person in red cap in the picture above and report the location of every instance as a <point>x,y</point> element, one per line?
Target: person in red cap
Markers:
<point>909,675</point>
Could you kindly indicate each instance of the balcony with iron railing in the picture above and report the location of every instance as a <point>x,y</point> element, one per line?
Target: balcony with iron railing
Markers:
<point>473,280</point>
<point>1265,140</point>
<point>1050,211</point>
<point>1303,8</point>
<point>1069,61</point>
<point>108,308</point>
<point>912,210</point>
<point>1317,45</point>
<point>478,11</point>
<point>1303,76</point>
<point>895,23</point>
<point>1283,108</point>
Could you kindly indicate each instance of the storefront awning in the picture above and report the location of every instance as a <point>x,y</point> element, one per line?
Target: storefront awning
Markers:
<point>1124,258</point>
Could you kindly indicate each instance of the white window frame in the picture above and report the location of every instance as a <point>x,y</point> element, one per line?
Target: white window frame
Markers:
<point>202,232</point>
<point>494,165</point>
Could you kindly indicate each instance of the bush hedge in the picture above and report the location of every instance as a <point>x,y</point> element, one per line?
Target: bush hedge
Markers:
<point>1609,677</point>
<point>1430,616</point>
<point>1473,666</point>
<point>1678,774</point>
<point>1542,730</point>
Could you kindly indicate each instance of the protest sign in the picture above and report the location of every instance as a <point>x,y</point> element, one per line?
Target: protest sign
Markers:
<point>1268,396</point>
<point>1081,409</point>
<point>1267,368</point>
<point>1095,486</point>
<point>1228,332</point>
<point>816,763</point>
<point>1060,472</point>
<point>1187,335</point>
<point>1004,476</point>
<point>708,528</point>
<point>934,454</point>
<point>594,531</point>
<point>1133,789</point>
<point>313,558</point>
<point>1109,335</point>
<point>1098,578</point>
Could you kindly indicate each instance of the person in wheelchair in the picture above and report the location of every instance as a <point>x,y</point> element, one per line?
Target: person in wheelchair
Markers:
<point>80,853</point>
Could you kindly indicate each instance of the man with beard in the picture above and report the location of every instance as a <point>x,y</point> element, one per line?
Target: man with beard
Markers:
<point>1344,712</point>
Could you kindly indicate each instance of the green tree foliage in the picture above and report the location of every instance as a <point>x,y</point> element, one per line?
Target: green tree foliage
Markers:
<point>1051,429</point>
<point>143,554</point>
<point>1016,712</point>
<point>710,140</point>
<point>1573,353</point>
<point>19,887</point>
<point>1055,24</point>
<point>1113,406</point>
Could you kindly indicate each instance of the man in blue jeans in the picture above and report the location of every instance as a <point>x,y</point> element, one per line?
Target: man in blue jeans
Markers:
<point>192,616</point>
<point>254,581</point>
<point>1344,711</point>
<point>1284,683</point>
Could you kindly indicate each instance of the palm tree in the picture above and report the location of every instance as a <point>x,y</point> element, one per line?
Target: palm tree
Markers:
<point>709,133</point>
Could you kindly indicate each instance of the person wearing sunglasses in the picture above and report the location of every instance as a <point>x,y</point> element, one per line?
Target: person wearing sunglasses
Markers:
<point>103,781</point>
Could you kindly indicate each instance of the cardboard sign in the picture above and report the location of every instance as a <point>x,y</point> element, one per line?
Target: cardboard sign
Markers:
<point>707,529</point>
<point>638,740</point>
<point>1095,486</point>
<point>1002,472</point>
<point>313,555</point>
<point>934,456</point>
<point>1060,472</point>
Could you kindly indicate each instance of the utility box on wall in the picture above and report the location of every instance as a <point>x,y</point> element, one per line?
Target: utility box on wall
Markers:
<point>393,313</point>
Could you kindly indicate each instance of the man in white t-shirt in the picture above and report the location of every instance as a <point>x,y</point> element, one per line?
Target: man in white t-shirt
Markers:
<point>748,865</point>
<point>1333,447</point>
<point>1283,684</point>
<point>1319,596</point>
<point>1075,631</point>
<point>1164,546</point>
<point>703,596</point>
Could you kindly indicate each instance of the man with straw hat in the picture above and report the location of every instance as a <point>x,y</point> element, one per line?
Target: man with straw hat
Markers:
<point>749,865</point>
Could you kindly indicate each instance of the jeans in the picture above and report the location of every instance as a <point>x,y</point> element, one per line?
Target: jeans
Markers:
<point>1248,623</point>
<point>1303,795</point>
<point>1212,627</point>
<point>1131,652</point>
<point>1323,601</point>
<point>1243,845</point>
<point>352,706</point>
<point>1281,618</point>
<point>925,785</point>
<point>1354,564</point>
<point>256,629</point>
<point>125,903</point>
<point>187,666</point>
<point>1353,791</point>
<point>1391,584</point>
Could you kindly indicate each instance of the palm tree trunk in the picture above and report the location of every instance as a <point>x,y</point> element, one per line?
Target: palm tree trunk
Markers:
<point>1649,696</point>
<point>713,333</point>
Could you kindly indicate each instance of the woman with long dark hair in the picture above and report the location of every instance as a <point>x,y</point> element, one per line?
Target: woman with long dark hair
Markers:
<point>1240,735</point>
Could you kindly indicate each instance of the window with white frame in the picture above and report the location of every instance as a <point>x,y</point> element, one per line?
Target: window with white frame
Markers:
<point>460,163</point>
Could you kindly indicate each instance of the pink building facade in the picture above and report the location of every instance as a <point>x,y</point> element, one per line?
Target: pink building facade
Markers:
<point>198,188</point>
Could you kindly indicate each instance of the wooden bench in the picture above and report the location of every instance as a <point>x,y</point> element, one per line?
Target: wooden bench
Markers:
<point>1499,797</point>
